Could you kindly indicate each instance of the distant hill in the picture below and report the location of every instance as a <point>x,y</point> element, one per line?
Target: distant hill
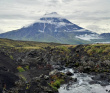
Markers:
<point>105,35</point>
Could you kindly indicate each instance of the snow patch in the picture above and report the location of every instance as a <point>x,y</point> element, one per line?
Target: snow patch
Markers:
<point>58,24</point>
<point>41,31</point>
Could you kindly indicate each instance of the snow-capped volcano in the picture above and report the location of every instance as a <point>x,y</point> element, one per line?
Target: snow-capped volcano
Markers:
<point>51,28</point>
<point>60,24</point>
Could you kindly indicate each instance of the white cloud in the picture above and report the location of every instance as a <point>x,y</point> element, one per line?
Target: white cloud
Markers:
<point>90,14</point>
<point>88,37</point>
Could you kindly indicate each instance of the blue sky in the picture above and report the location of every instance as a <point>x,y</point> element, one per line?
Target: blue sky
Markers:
<point>90,14</point>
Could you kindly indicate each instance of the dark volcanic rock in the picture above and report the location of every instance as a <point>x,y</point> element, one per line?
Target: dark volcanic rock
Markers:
<point>69,73</point>
<point>8,79</point>
<point>6,63</point>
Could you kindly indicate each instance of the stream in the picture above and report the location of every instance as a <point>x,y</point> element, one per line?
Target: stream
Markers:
<point>82,85</point>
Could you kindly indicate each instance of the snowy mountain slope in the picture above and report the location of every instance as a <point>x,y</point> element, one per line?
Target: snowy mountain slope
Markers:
<point>52,28</point>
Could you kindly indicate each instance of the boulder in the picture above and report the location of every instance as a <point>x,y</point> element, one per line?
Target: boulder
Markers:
<point>69,73</point>
<point>75,79</point>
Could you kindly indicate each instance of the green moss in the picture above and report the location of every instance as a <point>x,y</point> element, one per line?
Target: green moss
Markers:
<point>20,69</point>
<point>27,67</point>
<point>11,57</point>
<point>56,84</point>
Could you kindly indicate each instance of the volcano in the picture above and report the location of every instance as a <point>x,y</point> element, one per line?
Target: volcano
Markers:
<point>52,28</point>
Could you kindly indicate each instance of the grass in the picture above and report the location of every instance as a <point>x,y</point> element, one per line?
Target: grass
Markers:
<point>102,50</point>
<point>21,46</point>
<point>24,44</point>
<point>97,48</point>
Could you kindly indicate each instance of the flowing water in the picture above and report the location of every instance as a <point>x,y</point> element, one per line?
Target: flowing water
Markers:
<point>82,85</point>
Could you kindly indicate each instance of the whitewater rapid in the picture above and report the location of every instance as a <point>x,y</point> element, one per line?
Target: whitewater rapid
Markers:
<point>82,85</point>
